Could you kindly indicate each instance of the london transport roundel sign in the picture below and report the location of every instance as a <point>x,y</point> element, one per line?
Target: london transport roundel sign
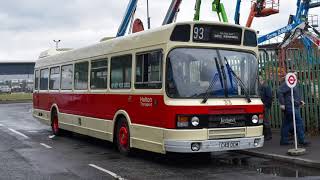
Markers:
<point>291,80</point>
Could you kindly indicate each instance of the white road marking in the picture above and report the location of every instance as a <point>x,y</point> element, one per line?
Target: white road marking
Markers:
<point>1,125</point>
<point>19,133</point>
<point>32,131</point>
<point>52,136</point>
<point>46,146</point>
<point>107,171</point>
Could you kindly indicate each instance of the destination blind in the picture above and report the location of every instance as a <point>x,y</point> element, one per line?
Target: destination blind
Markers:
<point>217,34</point>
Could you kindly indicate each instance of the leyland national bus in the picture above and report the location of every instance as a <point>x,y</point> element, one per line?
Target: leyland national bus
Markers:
<point>185,87</point>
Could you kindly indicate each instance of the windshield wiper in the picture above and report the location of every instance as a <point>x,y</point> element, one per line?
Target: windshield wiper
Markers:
<point>223,74</point>
<point>238,80</point>
<point>215,78</point>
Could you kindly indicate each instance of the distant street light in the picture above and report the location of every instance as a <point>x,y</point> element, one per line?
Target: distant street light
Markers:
<point>57,43</point>
<point>148,15</point>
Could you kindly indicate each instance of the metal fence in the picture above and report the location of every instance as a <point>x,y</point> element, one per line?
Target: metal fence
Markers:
<point>307,67</point>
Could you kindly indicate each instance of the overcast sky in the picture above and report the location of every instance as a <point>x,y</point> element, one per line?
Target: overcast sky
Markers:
<point>28,27</point>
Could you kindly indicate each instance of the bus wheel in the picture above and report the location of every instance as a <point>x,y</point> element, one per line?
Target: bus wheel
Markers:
<point>123,137</point>
<point>55,124</point>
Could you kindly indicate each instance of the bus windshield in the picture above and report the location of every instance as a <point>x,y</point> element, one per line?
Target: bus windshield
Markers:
<point>197,73</point>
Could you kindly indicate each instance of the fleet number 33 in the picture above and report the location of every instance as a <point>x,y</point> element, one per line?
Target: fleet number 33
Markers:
<point>227,102</point>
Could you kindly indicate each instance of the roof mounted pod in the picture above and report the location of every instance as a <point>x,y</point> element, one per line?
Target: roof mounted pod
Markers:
<point>53,51</point>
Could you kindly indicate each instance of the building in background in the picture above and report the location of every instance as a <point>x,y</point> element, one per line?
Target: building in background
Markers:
<point>17,75</point>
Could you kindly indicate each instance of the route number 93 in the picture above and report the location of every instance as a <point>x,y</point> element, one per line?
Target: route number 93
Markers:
<point>198,33</point>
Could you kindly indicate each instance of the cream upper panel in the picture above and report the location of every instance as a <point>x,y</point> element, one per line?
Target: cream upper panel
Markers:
<point>118,45</point>
<point>138,40</point>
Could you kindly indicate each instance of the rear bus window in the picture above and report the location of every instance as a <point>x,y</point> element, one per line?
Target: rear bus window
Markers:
<point>44,77</point>
<point>36,80</point>
<point>99,74</point>
<point>54,83</point>
<point>121,72</point>
<point>148,70</point>
<point>81,75</point>
<point>66,77</point>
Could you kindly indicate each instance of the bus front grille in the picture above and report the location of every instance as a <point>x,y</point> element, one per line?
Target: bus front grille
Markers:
<point>225,133</point>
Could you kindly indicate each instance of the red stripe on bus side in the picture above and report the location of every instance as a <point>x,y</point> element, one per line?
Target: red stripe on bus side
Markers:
<point>104,106</point>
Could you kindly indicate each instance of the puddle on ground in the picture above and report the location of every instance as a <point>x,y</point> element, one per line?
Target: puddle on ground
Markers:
<point>264,166</point>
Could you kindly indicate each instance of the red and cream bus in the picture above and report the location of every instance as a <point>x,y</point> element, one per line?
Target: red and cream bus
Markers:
<point>185,87</point>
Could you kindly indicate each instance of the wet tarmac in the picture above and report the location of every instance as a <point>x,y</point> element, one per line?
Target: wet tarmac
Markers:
<point>33,155</point>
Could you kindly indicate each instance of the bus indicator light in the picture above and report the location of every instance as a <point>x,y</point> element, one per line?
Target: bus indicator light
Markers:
<point>183,121</point>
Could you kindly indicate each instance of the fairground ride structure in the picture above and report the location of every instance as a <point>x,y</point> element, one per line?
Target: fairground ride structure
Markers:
<point>259,8</point>
<point>297,27</point>
<point>217,7</point>
<point>136,25</point>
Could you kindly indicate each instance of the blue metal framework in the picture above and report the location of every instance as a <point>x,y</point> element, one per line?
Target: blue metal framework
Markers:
<point>172,12</point>
<point>298,20</point>
<point>132,6</point>
<point>278,32</point>
<point>298,27</point>
<point>237,13</point>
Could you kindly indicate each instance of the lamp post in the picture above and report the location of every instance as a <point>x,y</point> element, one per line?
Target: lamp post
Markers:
<point>148,15</point>
<point>57,43</point>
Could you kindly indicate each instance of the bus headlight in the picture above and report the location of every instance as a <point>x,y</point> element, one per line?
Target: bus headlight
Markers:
<point>255,119</point>
<point>195,121</point>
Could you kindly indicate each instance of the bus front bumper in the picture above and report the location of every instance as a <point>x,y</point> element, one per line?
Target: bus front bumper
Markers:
<point>213,145</point>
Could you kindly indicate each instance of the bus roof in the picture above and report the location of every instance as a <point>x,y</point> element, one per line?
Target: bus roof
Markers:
<point>138,40</point>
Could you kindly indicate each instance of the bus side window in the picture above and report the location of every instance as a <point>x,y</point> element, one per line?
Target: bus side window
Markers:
<point>149,70</point>
<point>66,77</point>
<point>36,80</point>
<point>81,75</point>
<point>44,78</point>
<point>99,74</point>
<point>121,72</point>
<point>54,83</point>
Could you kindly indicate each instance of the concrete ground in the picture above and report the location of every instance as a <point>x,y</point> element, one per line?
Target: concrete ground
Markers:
<point>27,152</point>
<point>273,150</point>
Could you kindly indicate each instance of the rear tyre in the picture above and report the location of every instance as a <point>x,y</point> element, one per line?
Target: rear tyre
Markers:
<point>123,137</point>
<point>55,124</point>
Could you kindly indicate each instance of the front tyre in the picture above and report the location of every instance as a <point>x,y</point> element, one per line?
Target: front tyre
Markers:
<point>55,124</point>
<point>123,137</point>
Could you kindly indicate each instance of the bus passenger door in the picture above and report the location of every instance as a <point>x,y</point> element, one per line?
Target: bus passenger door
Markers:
<point>148,84</point>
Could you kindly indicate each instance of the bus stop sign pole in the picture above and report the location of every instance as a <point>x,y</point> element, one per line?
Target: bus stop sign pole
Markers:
<point>291,81</point>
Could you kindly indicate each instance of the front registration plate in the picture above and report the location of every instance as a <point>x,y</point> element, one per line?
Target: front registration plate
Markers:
<point>229,144</point>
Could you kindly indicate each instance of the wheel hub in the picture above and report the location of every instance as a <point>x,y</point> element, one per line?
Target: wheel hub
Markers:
<point>123,136</point>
